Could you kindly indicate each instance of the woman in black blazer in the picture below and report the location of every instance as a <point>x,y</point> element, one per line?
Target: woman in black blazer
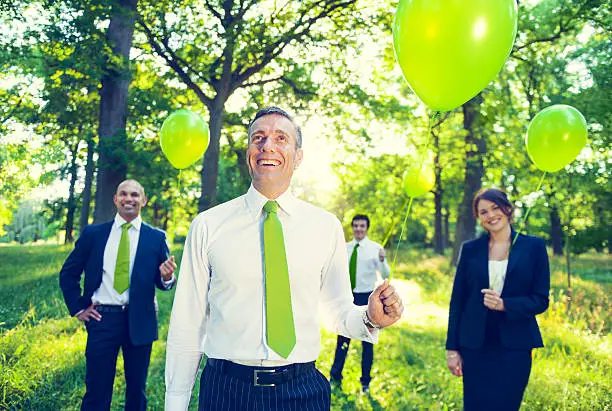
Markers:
<point>502,281</point>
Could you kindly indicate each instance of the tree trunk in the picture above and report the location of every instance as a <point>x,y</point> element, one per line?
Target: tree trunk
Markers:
<point>165,220</point>
<point>71,206</point>
<point>609,241</point>
<point>568,267</point>
<point>556,231</point>
<point>112,162</point>
<point>474,171</point>
<point>155,221</point>
<point>438,235</point>
<point>210,168</point>
<point>446,226</point>
<point>86,194</point>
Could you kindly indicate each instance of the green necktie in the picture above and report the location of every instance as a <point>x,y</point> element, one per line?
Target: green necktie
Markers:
<point>122,267</point>
<point>353,267</point>
<point>280,330</point>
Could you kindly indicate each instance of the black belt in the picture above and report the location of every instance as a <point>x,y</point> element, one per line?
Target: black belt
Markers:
<point>105,308</point>
<point>261,376</point>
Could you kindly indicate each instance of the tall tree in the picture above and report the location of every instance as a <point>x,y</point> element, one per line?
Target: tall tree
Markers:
<point>475,146</point>
<point>439,239</point>
<point>88,186</point>
<point>112,161</point>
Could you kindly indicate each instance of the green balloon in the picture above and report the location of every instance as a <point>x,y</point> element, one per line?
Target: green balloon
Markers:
<point>183,138</point>
<point>449,50</point>
<point>419,179</point>
<point>555,136</point>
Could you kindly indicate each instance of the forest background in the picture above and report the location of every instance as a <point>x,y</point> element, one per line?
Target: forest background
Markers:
<point>85,86</point>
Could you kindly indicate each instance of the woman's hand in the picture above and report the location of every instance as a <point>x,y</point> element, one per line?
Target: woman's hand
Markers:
<point>454,362</point>
<point>492,300</point>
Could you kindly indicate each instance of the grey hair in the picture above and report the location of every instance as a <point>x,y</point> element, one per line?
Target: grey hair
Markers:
<point>279,111</point>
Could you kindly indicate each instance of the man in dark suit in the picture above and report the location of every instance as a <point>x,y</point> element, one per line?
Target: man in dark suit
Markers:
<point>123,261</point>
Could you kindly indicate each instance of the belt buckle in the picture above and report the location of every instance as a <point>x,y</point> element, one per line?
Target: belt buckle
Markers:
<point>256,378</point>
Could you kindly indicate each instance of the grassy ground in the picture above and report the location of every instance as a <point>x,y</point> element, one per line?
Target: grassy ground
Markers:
<point>42,360</point>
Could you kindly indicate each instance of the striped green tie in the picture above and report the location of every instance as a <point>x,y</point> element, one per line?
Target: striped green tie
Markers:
<point>122,267</point>
<point>353,267</point>
<point>280,329</point>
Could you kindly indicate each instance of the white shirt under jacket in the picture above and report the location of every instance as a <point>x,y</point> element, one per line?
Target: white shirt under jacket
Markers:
<point>106,293</point>
<point>368,264</point>
<point>219,305</point>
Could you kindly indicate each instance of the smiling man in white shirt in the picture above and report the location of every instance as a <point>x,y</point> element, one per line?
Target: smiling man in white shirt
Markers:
<point>367,259</point>
<point>258,274</point>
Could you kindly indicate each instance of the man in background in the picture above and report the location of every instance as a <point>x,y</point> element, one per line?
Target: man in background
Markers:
<point>367,259</point>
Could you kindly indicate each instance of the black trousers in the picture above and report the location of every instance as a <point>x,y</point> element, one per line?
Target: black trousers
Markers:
<point>342,346</point>
<point>104,339</point>
<point>221,391</point>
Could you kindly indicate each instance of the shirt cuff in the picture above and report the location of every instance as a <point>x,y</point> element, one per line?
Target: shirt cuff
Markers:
<point>177,402</point>
<point>168,284</point>
<point>356,324</point>
<point>79,312</point>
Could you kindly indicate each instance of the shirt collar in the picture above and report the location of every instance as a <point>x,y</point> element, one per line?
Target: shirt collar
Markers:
<point>256,201</point>
<point>363,240</point>
<point>119,221</point>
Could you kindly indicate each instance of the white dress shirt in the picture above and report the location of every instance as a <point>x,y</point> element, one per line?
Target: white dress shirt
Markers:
<point>368,264</point>
<point>106,293</point>
<point>219,307</point>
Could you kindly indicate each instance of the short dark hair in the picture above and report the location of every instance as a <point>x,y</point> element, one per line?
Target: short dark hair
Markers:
<point>279,111</point>
<point>496,196</point>
<point>361,217</point>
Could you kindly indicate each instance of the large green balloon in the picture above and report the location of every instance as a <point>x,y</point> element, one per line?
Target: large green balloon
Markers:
<point>555,136</point>
<point>183,138</point>
<point>449,50</point>
<point>419,179</point>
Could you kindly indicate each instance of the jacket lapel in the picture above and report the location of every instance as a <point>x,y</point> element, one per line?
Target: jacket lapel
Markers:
<point>515,250</point>
<point>142,238</point>
<point>483,261</point>
<point>105,230</point>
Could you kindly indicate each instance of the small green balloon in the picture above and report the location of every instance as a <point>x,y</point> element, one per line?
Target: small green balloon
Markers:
<point>555,137</point>
<point>450,50</point>
<point>183,138</point>
<point>419,179</point>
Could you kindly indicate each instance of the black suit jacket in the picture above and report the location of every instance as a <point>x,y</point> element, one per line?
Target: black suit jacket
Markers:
<point>88,256</point>
<point>525,294</point>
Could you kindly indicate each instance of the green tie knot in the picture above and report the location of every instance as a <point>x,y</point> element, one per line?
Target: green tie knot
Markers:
<point>126,226</point>
<point>271,207</point>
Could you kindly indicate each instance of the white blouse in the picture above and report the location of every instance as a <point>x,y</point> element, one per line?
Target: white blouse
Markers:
<point>497,274</point>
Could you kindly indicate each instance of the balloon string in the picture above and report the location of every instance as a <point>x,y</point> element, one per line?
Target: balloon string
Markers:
<point>524,221</point>
<point>178,184</point>
<point>393,224</point>
<point>401,234</point>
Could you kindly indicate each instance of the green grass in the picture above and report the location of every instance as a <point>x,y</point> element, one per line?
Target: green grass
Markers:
<point>42,362</point>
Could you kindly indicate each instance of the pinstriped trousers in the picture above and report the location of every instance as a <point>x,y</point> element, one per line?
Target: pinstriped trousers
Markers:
<point>309,391</point>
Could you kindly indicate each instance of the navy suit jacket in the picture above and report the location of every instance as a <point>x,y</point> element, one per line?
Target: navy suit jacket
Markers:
<point>88,256</point>
<point>525,294</point>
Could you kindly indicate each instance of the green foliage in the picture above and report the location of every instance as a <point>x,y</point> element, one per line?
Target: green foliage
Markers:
<point>28,225</point>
